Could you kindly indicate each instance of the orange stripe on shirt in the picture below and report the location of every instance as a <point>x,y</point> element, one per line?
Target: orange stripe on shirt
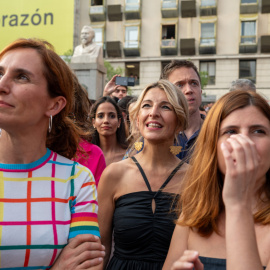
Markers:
<point>84,219</point>
<point>88,184</point>
<point>38,200</point>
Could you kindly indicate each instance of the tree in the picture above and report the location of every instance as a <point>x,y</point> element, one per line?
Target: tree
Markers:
<point>112,71</point>
<point>67,56</point>
<point>204,78</point>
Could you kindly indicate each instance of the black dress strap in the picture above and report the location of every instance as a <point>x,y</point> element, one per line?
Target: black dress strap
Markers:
<point>166,181</point>
<point>142,173</point>
<point>172,174</point>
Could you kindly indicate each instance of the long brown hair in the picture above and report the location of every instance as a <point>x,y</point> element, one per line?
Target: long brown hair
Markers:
<point>64,136</point>
<point>201,199</point>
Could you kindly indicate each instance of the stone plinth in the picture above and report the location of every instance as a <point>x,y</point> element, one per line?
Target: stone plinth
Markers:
<point>91,76</point>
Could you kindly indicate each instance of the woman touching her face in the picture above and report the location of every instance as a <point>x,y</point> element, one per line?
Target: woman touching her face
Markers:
<point>225,222</point>
<point>47,200</point>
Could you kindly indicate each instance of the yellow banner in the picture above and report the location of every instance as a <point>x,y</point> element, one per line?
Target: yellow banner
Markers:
<point>52,20</point>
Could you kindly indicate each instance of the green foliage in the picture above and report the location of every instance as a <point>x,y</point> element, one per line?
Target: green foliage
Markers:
<point>112,71</point>
<point>204,78</point>
<point>67,56</point>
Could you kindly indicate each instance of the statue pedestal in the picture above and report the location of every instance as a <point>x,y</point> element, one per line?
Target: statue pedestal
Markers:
<point>91,76</point>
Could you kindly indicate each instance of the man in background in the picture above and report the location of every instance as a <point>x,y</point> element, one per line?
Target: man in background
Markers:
<point>185,75</point>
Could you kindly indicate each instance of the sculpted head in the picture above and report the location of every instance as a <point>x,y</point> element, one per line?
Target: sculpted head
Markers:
<point>87,35</point>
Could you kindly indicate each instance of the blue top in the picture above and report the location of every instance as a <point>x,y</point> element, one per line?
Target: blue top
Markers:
<point>187,144</point>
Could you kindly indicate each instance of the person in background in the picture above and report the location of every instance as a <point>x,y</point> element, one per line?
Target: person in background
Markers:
<point>120,92</point>
<point>123,105</point>
<point>113,90</point>
<point>136,194</point>
<point>48,202</point>
<point>225,197</point>
<point>242,84</point>
<point>108,129</point>
<point>202,110</point>
<point>88,154</point>
<point>184,74</point>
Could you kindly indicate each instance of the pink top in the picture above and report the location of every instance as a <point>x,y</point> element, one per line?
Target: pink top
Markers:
<point>94,159</point>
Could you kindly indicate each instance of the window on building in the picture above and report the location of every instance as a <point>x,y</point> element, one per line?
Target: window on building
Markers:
<point>210,68</point>
<point>98,35</point>
<point>168,36</point>
<point>132,69</point>
<point>207,3</point>
<point>208,34</point>
<point>248,1</point>
<point>132,5</point>
<point>247,70</point>
<point>248,32</point>
<point>169,3</point>
<point>96,2</point>
<point>132,37</point>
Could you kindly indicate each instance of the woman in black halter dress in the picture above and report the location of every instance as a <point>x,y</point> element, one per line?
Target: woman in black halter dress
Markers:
<point>137,196</point>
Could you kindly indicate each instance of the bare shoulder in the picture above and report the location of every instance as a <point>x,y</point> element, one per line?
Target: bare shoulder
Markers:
<point>120,167</point>
<point>115,172</point>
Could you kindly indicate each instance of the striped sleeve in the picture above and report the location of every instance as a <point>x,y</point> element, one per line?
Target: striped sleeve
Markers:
<point>84,206</point>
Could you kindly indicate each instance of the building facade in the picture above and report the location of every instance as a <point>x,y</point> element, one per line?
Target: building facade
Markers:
<point>227,39</point>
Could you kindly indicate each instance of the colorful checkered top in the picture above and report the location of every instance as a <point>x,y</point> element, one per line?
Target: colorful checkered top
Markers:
<point>42,205</point>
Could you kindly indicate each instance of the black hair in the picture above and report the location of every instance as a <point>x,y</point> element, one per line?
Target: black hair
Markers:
<point>120,133</point>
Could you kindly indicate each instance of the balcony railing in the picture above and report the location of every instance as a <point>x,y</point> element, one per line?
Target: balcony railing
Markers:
<point>168,43</point>
<point>131,44</point>
<point>168,47</point>
<point>208,3</point>
<point>97,13</point>
<point>96,9</point>
<point>133,11</point>
<point>132,7</point>
<point>169,4</point>
<point>208,41</point>
<point>132,48</point>
<point>248,39</point>
<point>207,45</point>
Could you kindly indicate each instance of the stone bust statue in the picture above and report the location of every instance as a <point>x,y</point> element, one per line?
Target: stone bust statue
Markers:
<point>87,49</point>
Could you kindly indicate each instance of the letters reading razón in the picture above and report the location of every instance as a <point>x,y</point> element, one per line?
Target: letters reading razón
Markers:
<point>27,19</point>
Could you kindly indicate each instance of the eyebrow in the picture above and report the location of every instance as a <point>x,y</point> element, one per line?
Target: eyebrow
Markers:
<point>252,126</point>
<point>187,80</point>
<point>161,102</point>
<point>105,112</point>
<point>19,70</point>
<point>22,70</point>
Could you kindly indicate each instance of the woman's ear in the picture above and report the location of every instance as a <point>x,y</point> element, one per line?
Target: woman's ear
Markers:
<point>56,105</point>
<point>137,122</point>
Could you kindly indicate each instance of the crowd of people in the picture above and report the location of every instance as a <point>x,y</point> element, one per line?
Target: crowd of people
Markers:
<point>148,182</point>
